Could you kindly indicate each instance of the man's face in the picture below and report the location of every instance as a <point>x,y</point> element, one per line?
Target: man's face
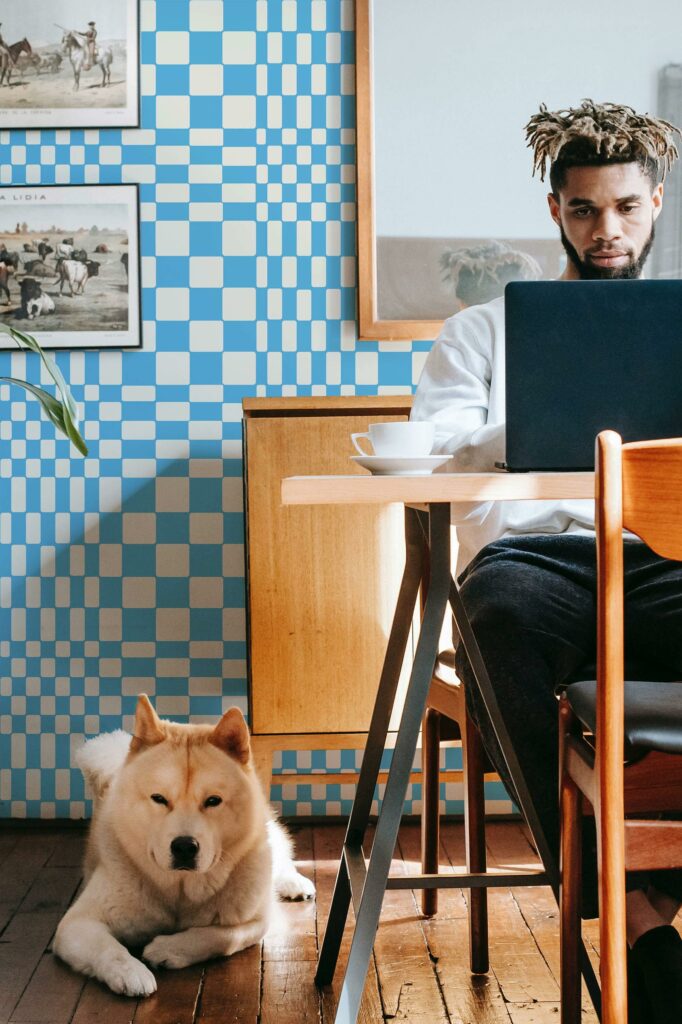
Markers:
<point>606,216</point>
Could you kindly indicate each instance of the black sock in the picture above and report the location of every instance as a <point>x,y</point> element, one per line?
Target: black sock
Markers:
<point>658,955</point>
<point>639,1008</point>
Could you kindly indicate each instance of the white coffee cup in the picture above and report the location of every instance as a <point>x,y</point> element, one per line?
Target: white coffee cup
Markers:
<point>405,439</point>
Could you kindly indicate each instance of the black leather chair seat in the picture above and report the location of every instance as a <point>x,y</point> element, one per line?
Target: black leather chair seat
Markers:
<point>653,713</point>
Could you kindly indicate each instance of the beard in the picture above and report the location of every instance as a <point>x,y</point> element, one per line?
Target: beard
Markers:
<point>589,272</point>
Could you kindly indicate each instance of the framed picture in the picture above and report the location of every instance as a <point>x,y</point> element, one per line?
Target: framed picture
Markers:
<point>64,64</point>
<point>70,265</point>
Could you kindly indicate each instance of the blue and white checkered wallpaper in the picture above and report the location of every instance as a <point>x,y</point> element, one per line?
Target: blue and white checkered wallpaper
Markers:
<point>123,572</point>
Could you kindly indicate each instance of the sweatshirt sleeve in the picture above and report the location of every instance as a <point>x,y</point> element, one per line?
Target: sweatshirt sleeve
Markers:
<point>454,392</point>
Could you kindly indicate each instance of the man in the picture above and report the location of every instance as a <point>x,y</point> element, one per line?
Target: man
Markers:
<point>90,36</point>
<point>529,568</point>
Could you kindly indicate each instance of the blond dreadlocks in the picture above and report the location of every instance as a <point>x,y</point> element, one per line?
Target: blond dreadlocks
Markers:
<point>615,132</point>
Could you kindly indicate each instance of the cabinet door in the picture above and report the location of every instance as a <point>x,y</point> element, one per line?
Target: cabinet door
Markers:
<point>322,582</point>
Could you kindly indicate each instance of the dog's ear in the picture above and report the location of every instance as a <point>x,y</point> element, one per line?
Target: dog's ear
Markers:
<point>148,728</point>
<point>232,735</point>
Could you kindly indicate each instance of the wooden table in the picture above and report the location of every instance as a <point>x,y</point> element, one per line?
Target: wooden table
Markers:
<point>364,880</point>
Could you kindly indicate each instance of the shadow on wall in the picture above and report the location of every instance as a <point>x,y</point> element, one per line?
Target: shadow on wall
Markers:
<point>149,599</point>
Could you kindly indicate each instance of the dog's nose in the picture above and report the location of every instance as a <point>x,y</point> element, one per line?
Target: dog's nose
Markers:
<point>184,850</point>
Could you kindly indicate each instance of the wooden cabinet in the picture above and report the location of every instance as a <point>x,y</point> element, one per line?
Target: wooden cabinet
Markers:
<point>322,582</point>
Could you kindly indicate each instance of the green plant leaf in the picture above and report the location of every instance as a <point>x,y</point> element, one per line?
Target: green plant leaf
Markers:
<point>63,413</point>
<point>50,366</point>
<point>52,407</point>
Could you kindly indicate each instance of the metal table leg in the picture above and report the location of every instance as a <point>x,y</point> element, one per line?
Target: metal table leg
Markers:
<point>365,882</point>
<point>415,560</point>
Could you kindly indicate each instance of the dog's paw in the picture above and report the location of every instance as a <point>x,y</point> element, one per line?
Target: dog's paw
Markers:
<point>168,951</point>
<point>294,886</point>
<point>129,977</point>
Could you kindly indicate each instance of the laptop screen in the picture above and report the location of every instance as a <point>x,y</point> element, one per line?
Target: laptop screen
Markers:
<point>585,356</point>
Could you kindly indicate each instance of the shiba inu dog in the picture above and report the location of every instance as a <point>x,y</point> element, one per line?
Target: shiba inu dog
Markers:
<point>184,857</point>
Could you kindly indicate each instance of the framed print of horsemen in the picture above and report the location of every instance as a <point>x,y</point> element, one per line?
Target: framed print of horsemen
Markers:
<point>69,265</point>
<point>69,64</point>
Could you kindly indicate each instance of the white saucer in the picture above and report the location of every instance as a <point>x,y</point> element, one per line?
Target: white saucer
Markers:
<point>385,465</point>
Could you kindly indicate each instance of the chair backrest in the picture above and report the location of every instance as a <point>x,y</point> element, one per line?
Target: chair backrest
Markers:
<point>652,494</point>
<point>639,488</point>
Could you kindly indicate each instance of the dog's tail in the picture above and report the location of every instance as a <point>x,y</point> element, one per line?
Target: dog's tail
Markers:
<point>100,758</point>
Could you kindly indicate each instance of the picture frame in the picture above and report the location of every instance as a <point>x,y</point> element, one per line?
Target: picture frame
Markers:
<point>443,169</point>
<point>70,265</point>
<point>48,78</point>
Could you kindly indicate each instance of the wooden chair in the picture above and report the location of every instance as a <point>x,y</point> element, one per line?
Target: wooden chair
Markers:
<point>621,742</point>
<point>446,718</point>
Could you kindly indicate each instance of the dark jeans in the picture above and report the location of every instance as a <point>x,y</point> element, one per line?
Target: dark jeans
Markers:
<point>532,605</point>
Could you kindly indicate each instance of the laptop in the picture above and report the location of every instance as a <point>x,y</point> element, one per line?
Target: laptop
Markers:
<point>585,356</point>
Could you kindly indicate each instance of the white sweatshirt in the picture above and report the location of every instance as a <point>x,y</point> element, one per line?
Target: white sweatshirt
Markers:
<point>462,390</point>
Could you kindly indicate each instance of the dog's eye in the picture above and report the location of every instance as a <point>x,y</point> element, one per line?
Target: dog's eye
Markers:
<point>212,801</point>
<point>158,799</point>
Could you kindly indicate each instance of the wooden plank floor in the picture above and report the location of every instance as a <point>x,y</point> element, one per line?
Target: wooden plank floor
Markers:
<point>419,972</point>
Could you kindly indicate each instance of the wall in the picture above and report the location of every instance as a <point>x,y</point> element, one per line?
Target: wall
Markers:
<point>123,572</point>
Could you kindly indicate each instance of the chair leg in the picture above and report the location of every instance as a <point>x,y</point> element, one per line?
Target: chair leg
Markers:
<point>569,901</point>
<point>474,826</point>
<point>430,805</point>
<point>612,933</point>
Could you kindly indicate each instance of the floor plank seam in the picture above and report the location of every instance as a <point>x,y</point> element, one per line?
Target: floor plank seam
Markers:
<point>530,929</point>
<point>439,982</point>
<point>320,999</point>
<point>374,966</point>
<point>261,984</point>
<point>196,1009</point>
<point>506,1003</point>
<point>433,959</point>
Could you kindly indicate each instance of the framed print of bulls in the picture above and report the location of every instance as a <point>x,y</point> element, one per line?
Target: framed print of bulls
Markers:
<point>69,64</point>
<point>70,266</point>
